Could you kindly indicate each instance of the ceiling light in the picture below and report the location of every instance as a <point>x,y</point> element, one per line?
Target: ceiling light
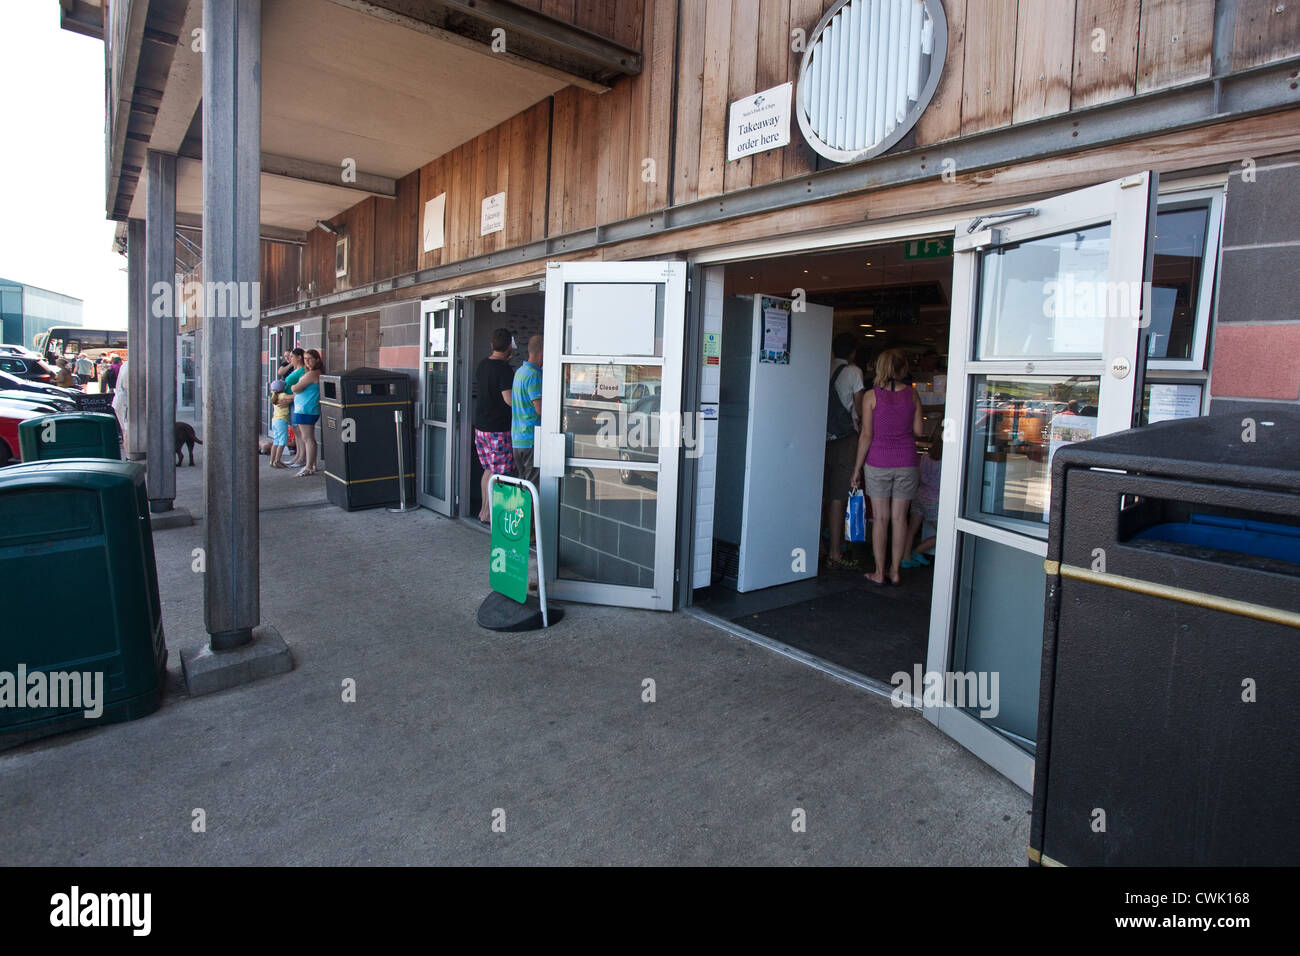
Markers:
<point>329,227</point>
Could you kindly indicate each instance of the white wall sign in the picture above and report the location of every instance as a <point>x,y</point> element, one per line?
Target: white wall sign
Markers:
<point>493,217</point>
<point>759,122</point>
<point>1174,401</point>
<point>434,212</point>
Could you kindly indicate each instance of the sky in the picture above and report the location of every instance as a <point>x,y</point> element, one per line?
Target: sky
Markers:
<point>55,233</point>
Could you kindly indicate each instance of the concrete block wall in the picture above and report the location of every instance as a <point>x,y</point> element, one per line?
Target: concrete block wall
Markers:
<point>1256,344</point>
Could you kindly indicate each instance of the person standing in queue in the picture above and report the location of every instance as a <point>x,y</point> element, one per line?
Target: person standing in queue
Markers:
<point>492,416</point>
<point>526,410</point>
<point>297,364</point>
<point>306,409</point>
<point>891,423</point>
<point>843,421</point>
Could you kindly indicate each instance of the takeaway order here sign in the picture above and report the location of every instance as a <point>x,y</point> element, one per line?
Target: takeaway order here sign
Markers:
<point>759,122</point>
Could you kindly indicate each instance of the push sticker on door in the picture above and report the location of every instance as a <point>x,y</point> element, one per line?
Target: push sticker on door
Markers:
<point>512,517</point>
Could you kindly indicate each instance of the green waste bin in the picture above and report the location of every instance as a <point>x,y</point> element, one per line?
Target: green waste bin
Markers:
<point>81,615</point>
<point>71,435</point>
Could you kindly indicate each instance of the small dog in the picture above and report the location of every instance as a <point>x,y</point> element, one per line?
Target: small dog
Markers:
<point>185,438</point>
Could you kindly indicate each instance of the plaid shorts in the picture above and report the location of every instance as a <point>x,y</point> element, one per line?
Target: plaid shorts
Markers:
<point>495,452</point>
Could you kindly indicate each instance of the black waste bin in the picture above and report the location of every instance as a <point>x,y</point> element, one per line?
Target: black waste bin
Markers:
<point>359,437</point>
<point>81,586</point>
<point>1170,691</point>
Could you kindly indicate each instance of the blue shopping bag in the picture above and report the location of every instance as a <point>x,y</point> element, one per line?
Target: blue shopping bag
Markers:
<point>855,517</point>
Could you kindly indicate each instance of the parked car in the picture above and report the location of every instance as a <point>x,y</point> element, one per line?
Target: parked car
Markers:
<point>34,370</point>
<point>21,351</point>
<point>37,400</point>
<point>8,381</point>
<point>10,416</point>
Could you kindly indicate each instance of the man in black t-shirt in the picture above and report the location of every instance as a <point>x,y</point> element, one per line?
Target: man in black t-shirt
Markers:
<point>495,379</point>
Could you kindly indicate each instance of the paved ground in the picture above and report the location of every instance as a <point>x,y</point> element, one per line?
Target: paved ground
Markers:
<point>452,723</point>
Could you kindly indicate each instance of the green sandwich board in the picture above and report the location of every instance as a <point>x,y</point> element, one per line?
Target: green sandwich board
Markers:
<point>512,517</point>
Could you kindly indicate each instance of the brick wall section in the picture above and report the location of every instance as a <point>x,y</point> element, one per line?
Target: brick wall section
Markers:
<point>1256,347</point>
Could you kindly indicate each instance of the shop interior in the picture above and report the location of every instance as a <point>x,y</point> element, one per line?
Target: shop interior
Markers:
<point>771,444</point>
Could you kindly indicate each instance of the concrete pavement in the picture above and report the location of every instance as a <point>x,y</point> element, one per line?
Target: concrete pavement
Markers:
<point>454,727</point>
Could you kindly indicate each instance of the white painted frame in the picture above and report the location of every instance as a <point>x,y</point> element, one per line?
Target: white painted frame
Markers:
<point>552,463</point>
<point>446,505</point>
<point>1127,205</point>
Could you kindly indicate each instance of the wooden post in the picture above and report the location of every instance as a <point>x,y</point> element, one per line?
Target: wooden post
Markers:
<point>137,305</point>
<point>159,392</point>
<point>232,133</point>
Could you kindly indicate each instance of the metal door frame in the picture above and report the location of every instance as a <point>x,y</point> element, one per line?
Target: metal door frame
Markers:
<point>455,310</point>
<point>551,448</point>
<point>1129,204</point>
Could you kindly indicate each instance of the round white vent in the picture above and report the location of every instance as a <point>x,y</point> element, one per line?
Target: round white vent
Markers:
<point>868,74</point>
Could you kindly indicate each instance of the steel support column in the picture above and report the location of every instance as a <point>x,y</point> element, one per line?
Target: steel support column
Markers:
<point>160,331</point>
<point>137,306</point>
<point>232,117</point>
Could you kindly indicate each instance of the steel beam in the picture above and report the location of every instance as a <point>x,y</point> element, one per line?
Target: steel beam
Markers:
<point>186,220</point>
<point>137,306</point>
<point>232,131</point>
<point>160,330</point>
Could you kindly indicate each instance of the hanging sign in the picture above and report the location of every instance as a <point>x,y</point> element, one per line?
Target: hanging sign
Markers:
<point>492,217</point>
<point>759,122</point>
<point>512,517</point>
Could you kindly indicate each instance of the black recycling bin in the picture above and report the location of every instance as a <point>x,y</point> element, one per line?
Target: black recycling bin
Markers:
<point>359,437</point>
<point>1170,694</point>
<point>77,566</point>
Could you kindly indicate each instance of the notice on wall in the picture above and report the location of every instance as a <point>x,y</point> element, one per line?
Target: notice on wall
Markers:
<point>1173,401</point>
<point>435,211</point>
<point>493,214</point>
<point>712,348</point>
<point>775,349</point>
<point>759,122</point>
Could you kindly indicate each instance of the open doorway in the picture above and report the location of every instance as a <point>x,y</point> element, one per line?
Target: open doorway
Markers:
<point>521,313</point>
<point>771,462</point>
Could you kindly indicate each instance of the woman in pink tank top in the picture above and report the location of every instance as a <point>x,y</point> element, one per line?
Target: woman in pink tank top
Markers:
<point>891,423</point>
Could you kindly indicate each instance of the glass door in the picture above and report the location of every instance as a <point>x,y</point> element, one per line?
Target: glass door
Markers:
<point>437,419</point>
<point>610,438</point>
<point>1048,346</point>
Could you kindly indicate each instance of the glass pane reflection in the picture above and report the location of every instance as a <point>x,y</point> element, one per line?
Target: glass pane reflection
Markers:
<point>1017,424</point>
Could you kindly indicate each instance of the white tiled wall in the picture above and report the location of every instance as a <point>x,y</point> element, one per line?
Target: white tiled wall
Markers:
<point>707,469</point>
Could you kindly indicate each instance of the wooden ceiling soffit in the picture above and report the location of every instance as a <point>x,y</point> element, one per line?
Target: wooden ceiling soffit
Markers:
<point>532,40</point>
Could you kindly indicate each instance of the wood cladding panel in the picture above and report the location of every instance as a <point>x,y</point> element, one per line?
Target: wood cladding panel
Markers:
<point>690,99</point>
<point>713,112</point>
<point>1175,40</point>
<point>1264,31</point>
<point>799,158</point>
<point>988,67</point>
<point>742,81</point>
<point>1044,59</point>
<point>1105,51</point>
<point>942,118</point>
<point>510,158</point>
<point>652,112</point>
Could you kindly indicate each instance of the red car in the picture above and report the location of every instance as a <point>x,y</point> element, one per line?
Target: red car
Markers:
<point>10,415</point>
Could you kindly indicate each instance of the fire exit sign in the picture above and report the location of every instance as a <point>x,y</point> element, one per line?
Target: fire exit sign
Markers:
<point>936,247</point>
